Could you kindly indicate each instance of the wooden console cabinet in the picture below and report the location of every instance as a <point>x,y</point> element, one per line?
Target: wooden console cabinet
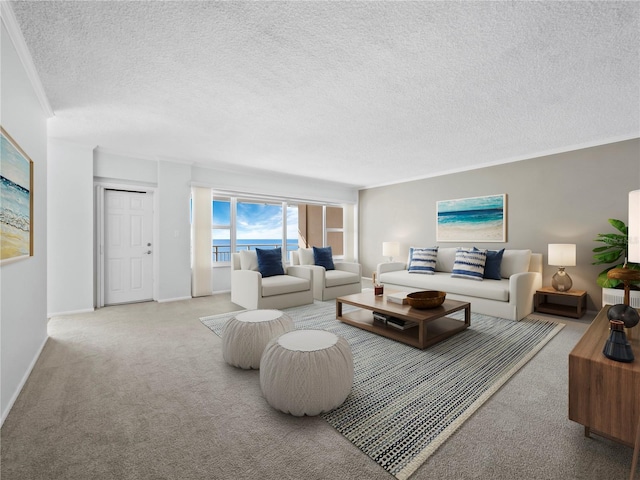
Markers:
<point>604,395</point>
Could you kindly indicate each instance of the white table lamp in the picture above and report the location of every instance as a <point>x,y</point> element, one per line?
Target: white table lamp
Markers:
<point>628,275</point>
<point>562,255</point>
<point>390,249</point>
<point>633,244</point>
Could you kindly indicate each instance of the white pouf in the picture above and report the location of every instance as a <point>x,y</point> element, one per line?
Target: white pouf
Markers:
<point>306,372</point>
<point>248,333</point>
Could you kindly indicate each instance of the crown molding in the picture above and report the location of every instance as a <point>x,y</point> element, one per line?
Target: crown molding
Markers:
<point>15,34</point>
<point>531,156</point>
<point>124,153</point>
<point>70,143</point>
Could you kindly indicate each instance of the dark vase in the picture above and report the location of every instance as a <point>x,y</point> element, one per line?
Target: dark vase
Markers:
<point>617,348</point>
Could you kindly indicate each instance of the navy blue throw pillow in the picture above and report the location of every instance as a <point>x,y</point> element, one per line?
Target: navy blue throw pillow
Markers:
<point>270,261</point>
<point>492,265</point>
<point>323,257</point>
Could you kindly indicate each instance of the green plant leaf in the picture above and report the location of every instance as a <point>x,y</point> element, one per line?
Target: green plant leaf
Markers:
<point>607,257</point>
<point>615,247</point>
<point>612,239</point>
<point>618,225</point>
<point>606,282</point>
<point>608,249</point>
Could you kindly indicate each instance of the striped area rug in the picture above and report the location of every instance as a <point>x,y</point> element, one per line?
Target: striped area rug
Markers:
<point>406,402</point>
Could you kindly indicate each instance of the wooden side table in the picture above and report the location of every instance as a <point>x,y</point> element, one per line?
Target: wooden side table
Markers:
<point>543,303</point>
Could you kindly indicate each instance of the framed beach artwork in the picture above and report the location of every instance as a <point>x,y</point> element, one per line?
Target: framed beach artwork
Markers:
<point>16,196</point>
<point>474,219</point>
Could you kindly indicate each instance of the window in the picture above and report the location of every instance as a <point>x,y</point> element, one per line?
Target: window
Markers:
<point>293,240</point>
<point>246,224</point>
<point>259,225</point>
<point>335,230</point>
<point>322,226</point>
<point>221,230</point>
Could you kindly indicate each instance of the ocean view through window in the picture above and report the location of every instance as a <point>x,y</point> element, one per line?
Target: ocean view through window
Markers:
<point>239,224</point>
<point>246,225</point>
<point>222,248</point>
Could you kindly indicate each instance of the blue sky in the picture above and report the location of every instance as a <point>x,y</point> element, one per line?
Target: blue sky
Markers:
<point>257,220</point>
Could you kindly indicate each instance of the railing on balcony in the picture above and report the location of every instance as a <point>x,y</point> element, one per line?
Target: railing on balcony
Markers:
<point>222,253</point>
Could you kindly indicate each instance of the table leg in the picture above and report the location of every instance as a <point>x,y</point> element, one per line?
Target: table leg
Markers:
<point>636,448</point>
<point>338,309</point>
<point>422,334</point>
<point>582,304</point>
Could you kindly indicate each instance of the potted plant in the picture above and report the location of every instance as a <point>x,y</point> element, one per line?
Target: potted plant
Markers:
<point>614,251</point>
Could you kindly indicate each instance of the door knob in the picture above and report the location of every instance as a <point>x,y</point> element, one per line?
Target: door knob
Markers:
<point>148,252</point>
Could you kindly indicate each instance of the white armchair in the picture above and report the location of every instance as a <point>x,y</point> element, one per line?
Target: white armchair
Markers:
<point>329,284</point>
<point>250,290</point>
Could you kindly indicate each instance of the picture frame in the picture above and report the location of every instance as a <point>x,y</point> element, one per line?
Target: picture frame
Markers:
<point>16,208</point>
<point>473,219</point>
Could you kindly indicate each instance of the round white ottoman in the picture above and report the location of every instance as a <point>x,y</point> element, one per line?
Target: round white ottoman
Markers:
<point>306,372</point>
<point>246,335</point>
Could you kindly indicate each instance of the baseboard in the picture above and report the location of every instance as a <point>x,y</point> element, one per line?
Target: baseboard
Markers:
<point>70,312</point>
<point>176,299</point>
<point>23,381</point>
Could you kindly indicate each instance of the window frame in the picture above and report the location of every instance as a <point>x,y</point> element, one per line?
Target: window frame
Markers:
<point>285,204</point>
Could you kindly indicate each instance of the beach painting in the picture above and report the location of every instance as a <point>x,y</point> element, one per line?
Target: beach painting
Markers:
<point>16,201</point>
<point>475,219</point>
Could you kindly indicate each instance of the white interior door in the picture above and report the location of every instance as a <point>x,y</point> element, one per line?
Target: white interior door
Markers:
<point>128,255</point>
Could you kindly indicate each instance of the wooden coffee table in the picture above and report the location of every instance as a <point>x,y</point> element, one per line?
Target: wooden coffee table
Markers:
<point>433,324</point>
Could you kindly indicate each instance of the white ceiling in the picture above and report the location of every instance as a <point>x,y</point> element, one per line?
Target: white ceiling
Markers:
<point>362,93</point>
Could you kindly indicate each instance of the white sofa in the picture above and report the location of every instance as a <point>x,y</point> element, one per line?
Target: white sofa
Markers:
<point>510,297</point>
<point>346,279</point>
<point>250,290</point>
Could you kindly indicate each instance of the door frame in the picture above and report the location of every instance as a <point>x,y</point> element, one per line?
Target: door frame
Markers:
<point>98,255</point>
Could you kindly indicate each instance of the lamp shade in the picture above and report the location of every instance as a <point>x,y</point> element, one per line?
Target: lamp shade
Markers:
<point>390,249</point>
<point>562,254</point>
<point>634,227</point>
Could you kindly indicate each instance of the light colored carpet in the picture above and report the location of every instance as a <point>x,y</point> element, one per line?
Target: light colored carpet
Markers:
<point>406,402</point>
<point>142,392</point>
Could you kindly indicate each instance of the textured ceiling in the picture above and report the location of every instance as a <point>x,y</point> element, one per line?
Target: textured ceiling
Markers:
<point>362,93</point>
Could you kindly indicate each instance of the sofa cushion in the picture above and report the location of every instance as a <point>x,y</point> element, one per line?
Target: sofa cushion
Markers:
<point>514,261</point>
<point>323,257</point>
<point>423,260</point>
<point>492,265</point>
<point>495,290</point>
<point>249,260</point>
<point>335,278</point>
<point>281,284</point>
<point>446,259</point>
<point>469,264</point>
<point>270,261</point>
<point>305,256</point>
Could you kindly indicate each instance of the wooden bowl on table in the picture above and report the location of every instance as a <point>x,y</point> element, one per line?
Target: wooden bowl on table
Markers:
<point>426,299</point>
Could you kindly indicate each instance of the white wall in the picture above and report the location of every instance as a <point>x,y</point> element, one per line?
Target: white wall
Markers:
<point>23,284</point>
<point>289,186</point>
<point>70,228</point>
<point>174,246</point>
<point>115,167</point>
<point>173,181</point>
